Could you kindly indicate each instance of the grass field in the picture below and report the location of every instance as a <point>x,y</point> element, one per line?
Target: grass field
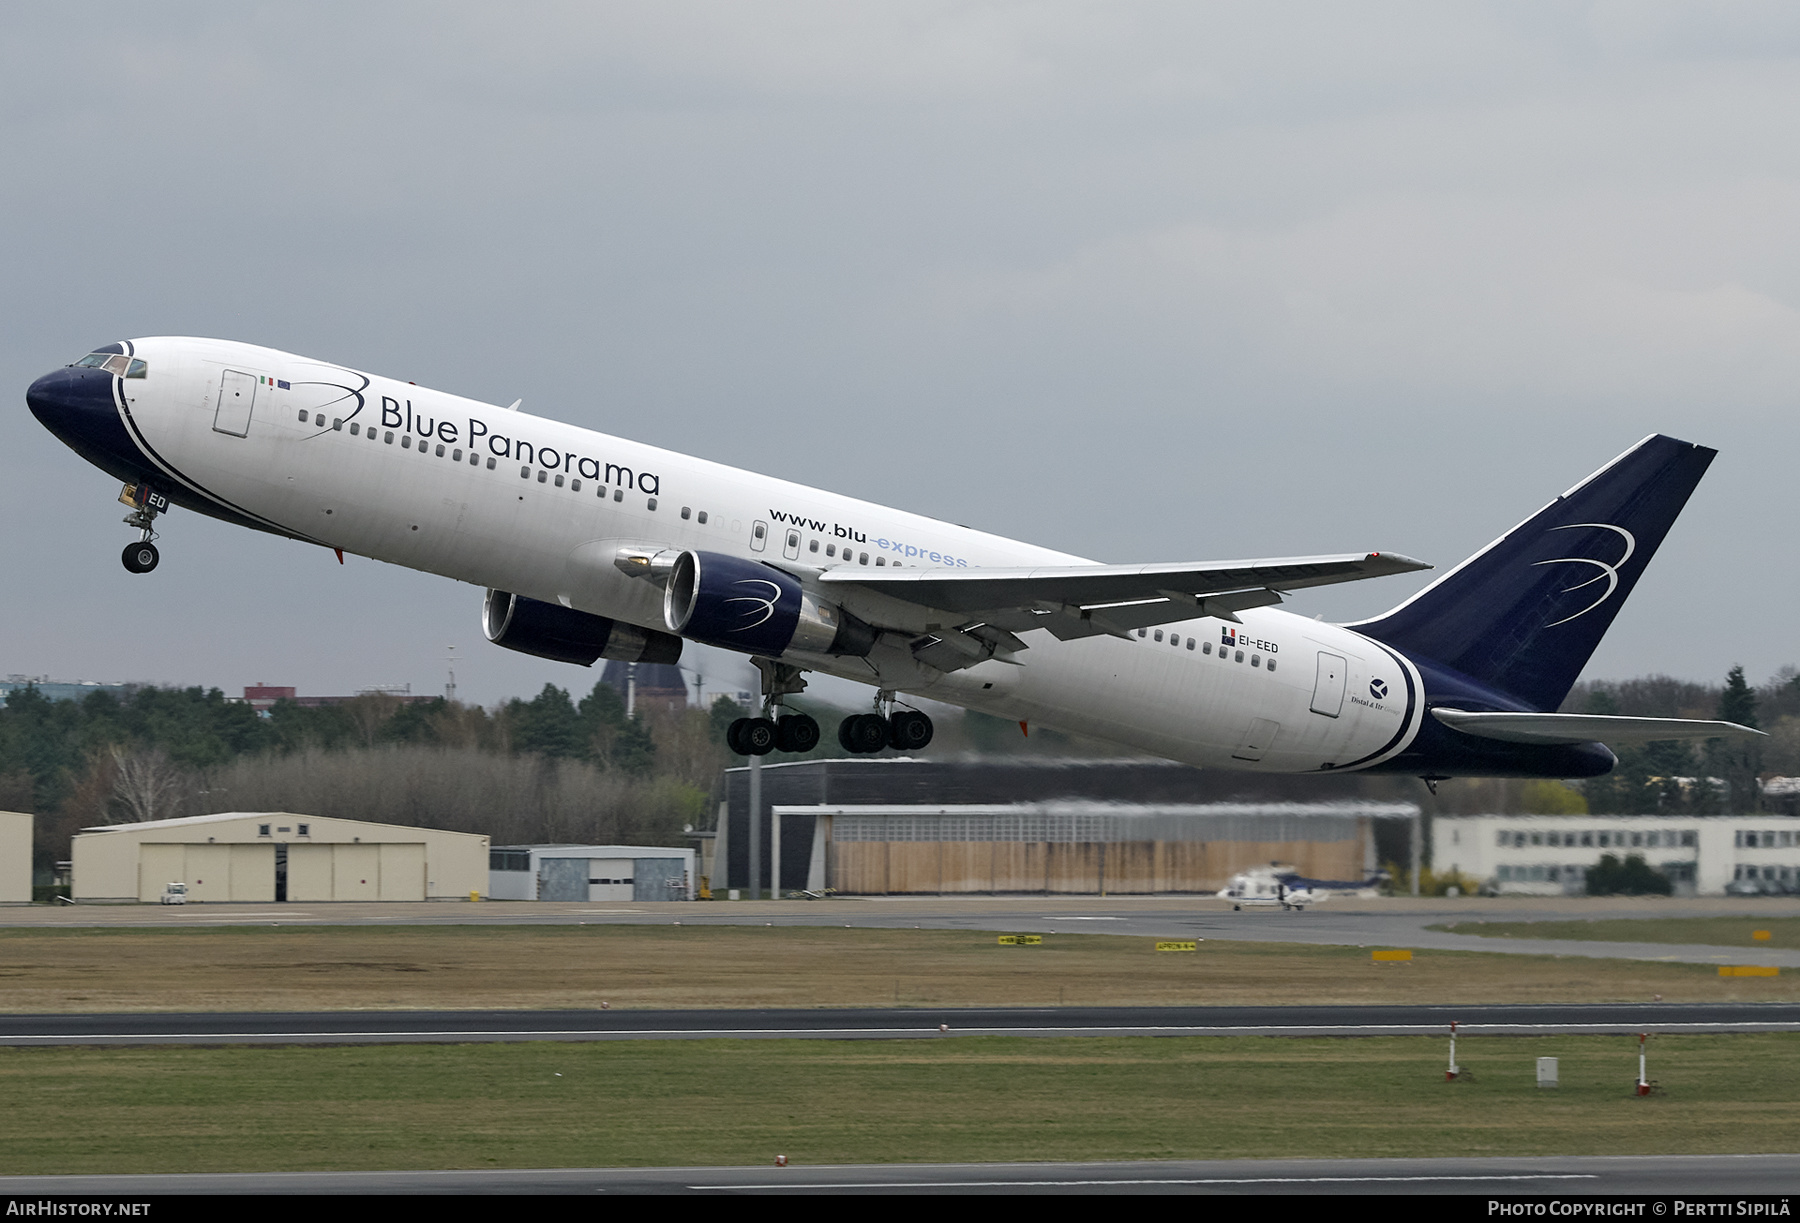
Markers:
<point>1784,932</point>
<point>71,1110</point>
<point>261,968</point>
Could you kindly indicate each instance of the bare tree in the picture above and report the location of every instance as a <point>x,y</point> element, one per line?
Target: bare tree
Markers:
<point>513,799</point>
<point>148,785</point>
<point>370,712</point>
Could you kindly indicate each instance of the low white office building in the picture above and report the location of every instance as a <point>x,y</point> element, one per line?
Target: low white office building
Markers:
<point>591,872</point>
<point>1549,855</point>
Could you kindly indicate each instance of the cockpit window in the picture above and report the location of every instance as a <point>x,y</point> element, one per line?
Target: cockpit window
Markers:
<point>118,363</point>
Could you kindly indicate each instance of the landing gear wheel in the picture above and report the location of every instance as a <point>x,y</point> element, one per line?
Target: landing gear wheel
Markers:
<point>863,733</point>
<point>908,730</point>
<point>140,557</point>
<point>797,733</point>
<point>733,737</point>
<point>757,738</point>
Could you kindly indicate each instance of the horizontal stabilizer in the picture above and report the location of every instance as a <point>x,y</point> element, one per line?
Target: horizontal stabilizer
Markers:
<point>1585,727</point>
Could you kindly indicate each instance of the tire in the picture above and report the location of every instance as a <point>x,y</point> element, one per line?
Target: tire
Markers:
<point>909,731</point>
<point>868,733</point>
<point>845,739</point>
<point>734,737</point>
<point>797,733</point>
<point>758,737</point>
<point>140,558</point>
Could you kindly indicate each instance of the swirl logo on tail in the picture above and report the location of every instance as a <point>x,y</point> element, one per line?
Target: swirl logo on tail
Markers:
<point>1609,572</point>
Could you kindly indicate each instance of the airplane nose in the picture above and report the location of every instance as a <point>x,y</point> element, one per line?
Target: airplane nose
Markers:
<point>76,404</point>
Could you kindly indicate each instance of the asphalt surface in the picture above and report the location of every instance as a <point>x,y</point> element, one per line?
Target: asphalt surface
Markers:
<point>1392,922</point>
<point>1399,922</point>
<point>463,1027</point>
<point>1735,1177</point>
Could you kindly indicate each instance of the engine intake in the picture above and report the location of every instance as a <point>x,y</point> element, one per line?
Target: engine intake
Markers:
<point>549,630</point>
<point>748,606</point>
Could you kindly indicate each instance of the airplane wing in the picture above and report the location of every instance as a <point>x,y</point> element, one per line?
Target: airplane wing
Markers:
<point>1586,728</point>
<point>1074,601</point>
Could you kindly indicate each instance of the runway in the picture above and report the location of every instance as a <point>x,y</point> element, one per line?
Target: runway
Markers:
<point>1566,1177</point>
<point>1388,922</point>
<point>462,1027</point>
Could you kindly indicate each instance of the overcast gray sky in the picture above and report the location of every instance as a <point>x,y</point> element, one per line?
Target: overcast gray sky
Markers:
<point>1140,281</point>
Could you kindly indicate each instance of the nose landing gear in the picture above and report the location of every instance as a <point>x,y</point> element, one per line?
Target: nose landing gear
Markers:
<point>140,557</point>
<point>146,503</point>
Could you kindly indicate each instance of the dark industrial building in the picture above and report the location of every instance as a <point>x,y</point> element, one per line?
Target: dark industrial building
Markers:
<point>899,781</point>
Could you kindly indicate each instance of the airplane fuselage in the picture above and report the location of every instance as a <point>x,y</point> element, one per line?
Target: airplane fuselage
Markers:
<point>506,500</point>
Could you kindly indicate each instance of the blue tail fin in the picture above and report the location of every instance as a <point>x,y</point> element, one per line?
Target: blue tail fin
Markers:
<point>1525,614</point>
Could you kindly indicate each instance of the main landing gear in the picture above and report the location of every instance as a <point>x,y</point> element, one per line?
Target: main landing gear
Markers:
<point>145,504</point>
<point>904,730</point>
<point>794,732</point>
<point>774,731</point>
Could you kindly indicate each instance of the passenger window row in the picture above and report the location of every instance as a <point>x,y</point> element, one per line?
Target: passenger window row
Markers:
<point>455,453</point>
<point>544,475</point>
<point>456,456</point>
<point>1175,639</point>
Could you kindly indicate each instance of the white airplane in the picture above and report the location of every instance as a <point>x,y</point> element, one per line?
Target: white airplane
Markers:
<point>591,546</point>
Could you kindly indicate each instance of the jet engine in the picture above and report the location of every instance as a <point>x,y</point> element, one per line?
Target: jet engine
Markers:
<point>754,608</point>
<point>550,630</point>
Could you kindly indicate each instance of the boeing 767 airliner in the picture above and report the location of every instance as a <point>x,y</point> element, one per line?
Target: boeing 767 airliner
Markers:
<point>592,547</point>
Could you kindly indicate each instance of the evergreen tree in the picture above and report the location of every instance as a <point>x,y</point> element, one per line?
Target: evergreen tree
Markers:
<point>633,749</point>
<point>723,713</point>
<point>1622,791</point>
<point>1738,761</point>
<point>1632,877</point>
<point>415,721</point>
<point>603,711</point>
<point>614,740</point>
<point>1665,763</point>
<point>548,725</point>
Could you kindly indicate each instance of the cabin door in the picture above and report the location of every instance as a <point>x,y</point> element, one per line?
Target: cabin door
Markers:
<point>237,398</point>
<point>1328,687</point>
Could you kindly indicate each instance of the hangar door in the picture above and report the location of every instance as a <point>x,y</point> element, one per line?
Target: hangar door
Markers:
<point>562,879</point>
<point>611,878</point>
<point>659,879</point>
<point>356,872</point>
<point>211,872</point>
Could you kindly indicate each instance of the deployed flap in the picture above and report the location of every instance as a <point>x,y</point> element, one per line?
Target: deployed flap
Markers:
<point>1079,600</point>
<point>1585,727</point>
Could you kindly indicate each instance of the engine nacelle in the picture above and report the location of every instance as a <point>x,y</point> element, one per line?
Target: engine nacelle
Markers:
<point>550,630</point>
<point>744,605</point>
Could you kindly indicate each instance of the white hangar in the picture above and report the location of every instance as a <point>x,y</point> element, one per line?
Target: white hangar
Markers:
<point>15,857</point>
<point>276,856</point>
